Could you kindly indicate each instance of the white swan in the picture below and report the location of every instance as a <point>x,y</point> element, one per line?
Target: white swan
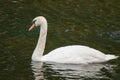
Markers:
<point>67,54</point>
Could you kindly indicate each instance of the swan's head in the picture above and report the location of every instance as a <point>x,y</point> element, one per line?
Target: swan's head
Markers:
<point>37,21</point>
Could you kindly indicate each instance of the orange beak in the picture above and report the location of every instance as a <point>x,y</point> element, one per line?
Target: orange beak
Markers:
<point>32,26</point>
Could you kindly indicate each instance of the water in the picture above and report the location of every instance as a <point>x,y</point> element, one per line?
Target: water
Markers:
<point>86,22</point>
<point>72,71</point>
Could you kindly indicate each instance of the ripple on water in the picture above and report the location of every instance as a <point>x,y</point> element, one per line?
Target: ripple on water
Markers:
<point>113,35</point>
<point>71,71</point>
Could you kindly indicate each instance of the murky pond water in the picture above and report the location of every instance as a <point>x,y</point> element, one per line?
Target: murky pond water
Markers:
<point>86,22</point>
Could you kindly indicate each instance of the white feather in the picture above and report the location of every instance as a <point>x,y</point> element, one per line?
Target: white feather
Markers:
<point>67,54</point>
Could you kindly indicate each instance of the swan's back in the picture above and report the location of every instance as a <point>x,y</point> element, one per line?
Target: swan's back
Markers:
<point>75,54</point>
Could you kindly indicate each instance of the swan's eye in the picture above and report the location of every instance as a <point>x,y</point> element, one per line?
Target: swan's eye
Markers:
<point>34,21</point>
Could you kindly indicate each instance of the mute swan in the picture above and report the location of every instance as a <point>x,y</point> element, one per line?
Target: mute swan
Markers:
<point>67,54</point>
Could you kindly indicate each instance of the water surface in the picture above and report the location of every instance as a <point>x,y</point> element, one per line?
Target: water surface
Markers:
<point>83,22</point>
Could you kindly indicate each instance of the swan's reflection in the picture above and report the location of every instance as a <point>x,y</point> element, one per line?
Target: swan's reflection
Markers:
<point>70,71</point>
<point>37,70</point>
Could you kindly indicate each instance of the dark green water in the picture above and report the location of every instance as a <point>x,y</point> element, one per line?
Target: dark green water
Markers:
<point>95,23</point>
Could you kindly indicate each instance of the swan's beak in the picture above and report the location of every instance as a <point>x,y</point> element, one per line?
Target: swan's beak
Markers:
<point>32,26</point>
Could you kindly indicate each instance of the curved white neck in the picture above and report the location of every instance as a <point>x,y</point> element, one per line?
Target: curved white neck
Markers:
<point>38,52</point>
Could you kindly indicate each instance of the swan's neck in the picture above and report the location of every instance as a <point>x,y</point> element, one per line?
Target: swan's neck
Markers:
<point>38,52</point>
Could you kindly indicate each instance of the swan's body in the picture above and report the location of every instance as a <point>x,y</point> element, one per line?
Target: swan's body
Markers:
<point>76,54</point>
<point>67,54</point>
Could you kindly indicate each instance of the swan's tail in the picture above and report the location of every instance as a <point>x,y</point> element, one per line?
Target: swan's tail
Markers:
<point>109,57</point>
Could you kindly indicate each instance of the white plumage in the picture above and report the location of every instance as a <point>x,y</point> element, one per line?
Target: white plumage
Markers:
<point>76,54</point>
<point>67,54</point>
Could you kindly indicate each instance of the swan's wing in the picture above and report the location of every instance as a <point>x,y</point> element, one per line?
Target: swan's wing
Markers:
<point>74,54</point>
